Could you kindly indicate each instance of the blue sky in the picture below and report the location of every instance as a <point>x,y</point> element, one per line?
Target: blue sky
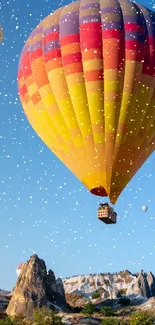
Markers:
<point>43,207</point>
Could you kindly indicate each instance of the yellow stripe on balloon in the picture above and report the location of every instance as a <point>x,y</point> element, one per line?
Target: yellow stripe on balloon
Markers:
<point>79,101</point>
<point>50,137</point>
<point>32,89</point>
<point>92,65</point>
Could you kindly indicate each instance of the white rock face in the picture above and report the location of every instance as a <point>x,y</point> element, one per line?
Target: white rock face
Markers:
<point>111,284</point>
<point>4,292</point>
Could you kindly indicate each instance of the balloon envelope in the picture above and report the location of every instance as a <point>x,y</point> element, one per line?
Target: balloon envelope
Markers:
<point>144,208</point>
<point>87,85</point>
<point>19,268</point>
<point>1,34</point>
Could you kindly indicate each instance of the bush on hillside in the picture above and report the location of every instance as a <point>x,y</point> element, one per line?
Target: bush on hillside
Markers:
<point>14,321</point>
<point>122,292</point>
<point>17,320</point>
<point>46,316</point>
<point>88,309</point>
<point>107,311</point>
<point>95,295</point>
<point>143,317</point>
<point>6,321</point>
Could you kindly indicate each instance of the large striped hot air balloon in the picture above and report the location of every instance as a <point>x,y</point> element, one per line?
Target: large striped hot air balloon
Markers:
<point>87,85</point>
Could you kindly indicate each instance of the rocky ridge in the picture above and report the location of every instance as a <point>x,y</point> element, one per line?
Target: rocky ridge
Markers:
<point>36,288</point>
<point>111,286</point>
<point>4,292</point>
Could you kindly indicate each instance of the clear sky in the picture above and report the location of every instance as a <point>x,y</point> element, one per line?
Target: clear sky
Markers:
<point>43,207</point>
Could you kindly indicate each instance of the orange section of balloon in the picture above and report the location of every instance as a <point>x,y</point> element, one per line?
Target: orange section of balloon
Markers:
<point>87,85</point>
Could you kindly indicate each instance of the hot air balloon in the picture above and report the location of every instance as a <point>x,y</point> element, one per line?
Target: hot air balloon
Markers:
<point>1,33</point>
<point>144,208</point>
<point>19,268</point>
<point>86,81</point>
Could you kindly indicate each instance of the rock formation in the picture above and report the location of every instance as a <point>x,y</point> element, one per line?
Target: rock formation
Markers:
<point>4,301</point>
<point>4,292</point>
<point>35,288</point>
<point>111,286</point>
<point>141,285</point>
<point>54,289</point>
<point>151,283</point>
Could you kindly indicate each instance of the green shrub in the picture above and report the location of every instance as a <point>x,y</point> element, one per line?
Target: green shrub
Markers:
<point>45,316</point>
<point>6,321</point>
<point>143,317</point>
<point>114,321</point>
<point>107,311</point>
<point>88,309</point>
<point>95,295</point>
<point>17,320</point>
<point>122,292</point>
<point>14,321</point>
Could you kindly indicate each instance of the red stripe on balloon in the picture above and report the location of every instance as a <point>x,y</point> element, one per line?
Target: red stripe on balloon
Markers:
<point>74,38</point>
<point>20,74</point>
<point>56,53</point>
<point>137,48</point>
<point>111,33</point>
<point>148,70</point>
<point>91,36</point>
<point>134,45</point>
<point>150,40</point>
<point>26,64</point>
<point>134,27</point>
<point>50,37</point>
<point>23,90</point>
<point>36,54</point>
<point>72,58</point>
<point>149,53</point>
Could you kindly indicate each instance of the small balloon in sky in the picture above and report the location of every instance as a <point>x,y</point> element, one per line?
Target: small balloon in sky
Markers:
<point>144,208</point>
<point>19,268</point>
<point>1,33</point>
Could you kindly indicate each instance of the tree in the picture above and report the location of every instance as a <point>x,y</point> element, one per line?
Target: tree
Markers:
<point>46,316</point>
<point>88,309</point>
<point>107,311</point>
<point>143,317</point>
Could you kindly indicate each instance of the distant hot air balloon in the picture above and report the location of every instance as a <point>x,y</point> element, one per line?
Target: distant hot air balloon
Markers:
<point>144,208</point>
<point>1,33</point>
<point>19,268</point>
<point>87,85</point>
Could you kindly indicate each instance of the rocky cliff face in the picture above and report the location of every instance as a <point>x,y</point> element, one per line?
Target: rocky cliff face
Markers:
<point>35,288</point>
<point>111,286</point>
